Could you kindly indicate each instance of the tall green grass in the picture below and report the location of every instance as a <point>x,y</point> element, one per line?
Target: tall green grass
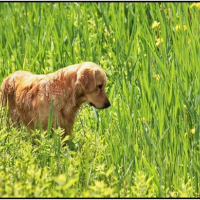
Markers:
<point>147,143</point>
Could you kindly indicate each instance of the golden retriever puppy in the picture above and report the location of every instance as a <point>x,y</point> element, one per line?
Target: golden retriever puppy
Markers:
<point>29,96</point>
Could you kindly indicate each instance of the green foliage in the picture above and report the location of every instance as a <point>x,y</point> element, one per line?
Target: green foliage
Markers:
<point>147,143</point>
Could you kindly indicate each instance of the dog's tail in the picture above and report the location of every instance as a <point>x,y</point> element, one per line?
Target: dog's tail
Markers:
<point>5,91</point>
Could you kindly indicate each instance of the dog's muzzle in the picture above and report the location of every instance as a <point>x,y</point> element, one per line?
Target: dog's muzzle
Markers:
<point>91,104</point>
<point>106,105</point>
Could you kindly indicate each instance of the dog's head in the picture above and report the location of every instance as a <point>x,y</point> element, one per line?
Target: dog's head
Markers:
<point>93,81</point>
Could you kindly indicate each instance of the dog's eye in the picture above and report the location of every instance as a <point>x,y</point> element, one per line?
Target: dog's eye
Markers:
<point>100,87</point>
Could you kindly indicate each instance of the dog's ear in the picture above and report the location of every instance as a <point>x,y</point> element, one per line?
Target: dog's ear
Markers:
<point>86,78</point>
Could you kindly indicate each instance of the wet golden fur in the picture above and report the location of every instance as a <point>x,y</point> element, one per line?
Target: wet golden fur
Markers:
<point>29,96</point>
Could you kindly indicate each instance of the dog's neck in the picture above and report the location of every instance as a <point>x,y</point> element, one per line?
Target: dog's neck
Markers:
<point>72,91</point>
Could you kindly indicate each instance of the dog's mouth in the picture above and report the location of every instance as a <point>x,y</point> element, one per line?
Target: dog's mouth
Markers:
<point>91,104</point>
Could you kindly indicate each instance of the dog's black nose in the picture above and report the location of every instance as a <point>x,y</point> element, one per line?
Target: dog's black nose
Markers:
<point>107,104</point>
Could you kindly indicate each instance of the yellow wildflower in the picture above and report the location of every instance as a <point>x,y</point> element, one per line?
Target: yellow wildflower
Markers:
<point>167,11</point>
<point>155,24</point>
<point>159,41</point>
<point>141,119</point>
<point>156,76</point>
<point>197,5</point>
<point>192,131</point>
<point>26,13</point>
<point>178,27</point>
<point>185,107</point>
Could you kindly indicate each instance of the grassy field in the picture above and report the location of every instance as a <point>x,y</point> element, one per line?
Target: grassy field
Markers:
<point>147,144</point>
